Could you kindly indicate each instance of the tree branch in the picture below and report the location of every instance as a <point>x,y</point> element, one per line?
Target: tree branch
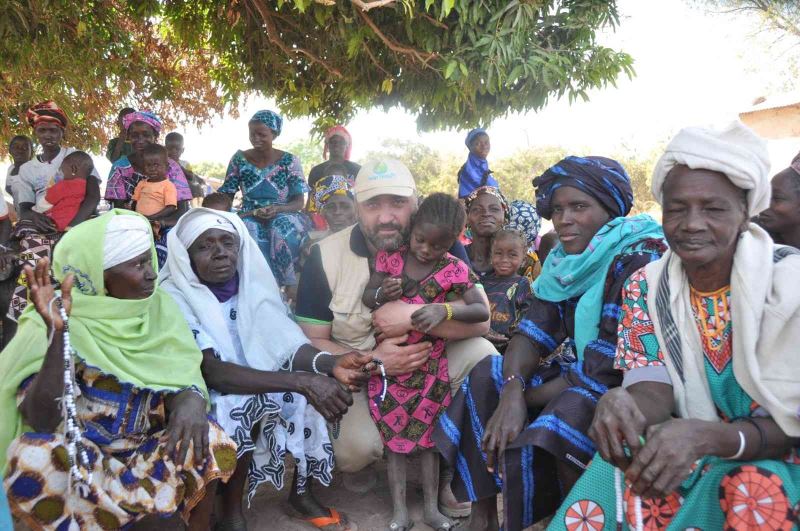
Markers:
<point>422,57</point>
<point>375,61</point>
<point>274,38</point>
<point>433,21</point>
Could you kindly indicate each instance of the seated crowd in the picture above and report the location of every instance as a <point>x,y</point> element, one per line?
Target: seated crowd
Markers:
<point>179,345</point>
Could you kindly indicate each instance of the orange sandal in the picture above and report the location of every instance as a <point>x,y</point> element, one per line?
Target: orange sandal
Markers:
<point>335,519</point>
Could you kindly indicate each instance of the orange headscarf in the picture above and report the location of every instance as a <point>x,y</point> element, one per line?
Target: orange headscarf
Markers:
<point>46,112</point>
<point>342,132</point>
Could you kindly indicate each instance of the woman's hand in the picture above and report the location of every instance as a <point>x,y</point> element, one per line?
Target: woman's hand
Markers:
<point>326,395</point>
<point>43,223</point>
<point>187,424</point>
<point>267,212</point>
<point>428,317</point>
<point>505,424</point>
<point>496,338</point>
<point>617,421</point>
<point>666,459</point>
<point>353,369</point>
<point>42,293</point>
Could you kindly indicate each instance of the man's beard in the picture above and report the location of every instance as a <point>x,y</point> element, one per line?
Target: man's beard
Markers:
<point>387,243</point>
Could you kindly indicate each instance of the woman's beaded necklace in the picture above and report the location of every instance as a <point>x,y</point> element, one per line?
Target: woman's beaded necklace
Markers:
<point>712,327</point>
<point>77,456</point>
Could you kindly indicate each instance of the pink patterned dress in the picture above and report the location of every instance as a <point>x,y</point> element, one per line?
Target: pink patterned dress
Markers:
<point>407,415</point>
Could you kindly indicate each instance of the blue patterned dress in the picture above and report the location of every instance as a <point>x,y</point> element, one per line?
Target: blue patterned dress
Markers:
<point>281,238</point>
<point>529,483</point>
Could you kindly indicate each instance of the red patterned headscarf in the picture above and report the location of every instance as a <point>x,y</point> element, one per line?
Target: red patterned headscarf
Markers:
<point>342,132</point>
<point>46,112</point>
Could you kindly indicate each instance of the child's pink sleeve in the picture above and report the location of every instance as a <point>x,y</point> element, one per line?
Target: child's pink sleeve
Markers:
<point>170,194</point>
<point>462,277</point>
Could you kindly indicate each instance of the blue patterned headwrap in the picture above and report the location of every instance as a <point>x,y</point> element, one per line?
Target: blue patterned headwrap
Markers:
<point>472,134</point>
<point>525,219</point>
<point>271,119</point>
<point>602,178</point>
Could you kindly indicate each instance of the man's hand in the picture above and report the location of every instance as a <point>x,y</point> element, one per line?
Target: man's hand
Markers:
<point>403,359</point>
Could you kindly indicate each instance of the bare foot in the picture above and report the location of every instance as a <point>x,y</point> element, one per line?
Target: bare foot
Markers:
<point>438,521</point>
<point>400,520</point>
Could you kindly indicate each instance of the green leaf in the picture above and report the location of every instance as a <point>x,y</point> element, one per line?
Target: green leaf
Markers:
<point>451,67</point>
<point>447,6</point>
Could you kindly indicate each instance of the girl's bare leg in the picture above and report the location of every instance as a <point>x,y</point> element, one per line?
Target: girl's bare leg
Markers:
<point>200,517</point>
<point>397,486</point>
<point>484,515</point>
<point>430,490</point>
<point>233,491</point>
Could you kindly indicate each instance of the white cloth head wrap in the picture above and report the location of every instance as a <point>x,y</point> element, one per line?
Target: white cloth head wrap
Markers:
<point>268,335</point>
<point>735,151</point>
<point>196,225</point>
<point>126,238</point>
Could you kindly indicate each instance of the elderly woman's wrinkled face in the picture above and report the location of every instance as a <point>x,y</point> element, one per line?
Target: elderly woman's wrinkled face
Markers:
<point>261,136</point>
<point>783,214</point>
<point>134,279</point>
<point>485,215</point>
<point>704,214</point>
<point>577,216</point>
<point>339,212</point>
<point>337,145</point>
<point>140,135</point>
<point>480,145</point>
<point>215,255</point>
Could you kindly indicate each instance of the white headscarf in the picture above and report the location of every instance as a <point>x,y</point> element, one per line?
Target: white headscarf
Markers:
<point>735,151</point>
<point>195,226</point>
<point>126,238</point>
<point>269,336</point>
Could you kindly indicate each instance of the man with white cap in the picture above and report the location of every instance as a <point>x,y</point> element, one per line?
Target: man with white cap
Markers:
<point>330,312</point>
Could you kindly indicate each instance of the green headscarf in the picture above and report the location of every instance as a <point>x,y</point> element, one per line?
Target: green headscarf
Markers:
<point>567,276</point>
<point>144,342</point>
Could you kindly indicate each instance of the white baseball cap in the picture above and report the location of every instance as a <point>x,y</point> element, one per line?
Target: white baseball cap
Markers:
<point>384,177</point>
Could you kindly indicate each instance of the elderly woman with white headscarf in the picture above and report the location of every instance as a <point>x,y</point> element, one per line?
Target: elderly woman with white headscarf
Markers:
<point>703,434</point>
<point>102,402</point>
<point>250,345</point>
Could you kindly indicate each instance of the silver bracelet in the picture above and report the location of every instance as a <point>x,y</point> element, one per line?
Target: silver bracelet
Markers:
<point>377,292</point>
<point>742,445</point>
<point>314,361</point>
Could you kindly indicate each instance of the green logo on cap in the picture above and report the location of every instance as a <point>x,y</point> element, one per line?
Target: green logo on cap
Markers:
<point>381,171</point>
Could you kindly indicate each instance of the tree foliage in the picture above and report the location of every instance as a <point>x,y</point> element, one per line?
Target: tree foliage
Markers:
<point>94,57</point>
<point>450,62</point>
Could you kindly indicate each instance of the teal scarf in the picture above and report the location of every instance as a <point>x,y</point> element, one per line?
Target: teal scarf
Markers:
<point>584,275</point>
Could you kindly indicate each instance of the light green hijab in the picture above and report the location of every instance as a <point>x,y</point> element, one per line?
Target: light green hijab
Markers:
<point>144,342</point>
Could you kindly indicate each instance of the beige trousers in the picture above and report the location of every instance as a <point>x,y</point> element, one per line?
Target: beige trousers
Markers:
<point>359,443</point>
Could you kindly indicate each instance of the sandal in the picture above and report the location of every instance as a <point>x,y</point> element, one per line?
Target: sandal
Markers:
<point>333,522</point>
<point>394,526</point>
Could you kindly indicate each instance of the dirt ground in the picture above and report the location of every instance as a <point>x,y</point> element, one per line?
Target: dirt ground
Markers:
<point>371,510</point>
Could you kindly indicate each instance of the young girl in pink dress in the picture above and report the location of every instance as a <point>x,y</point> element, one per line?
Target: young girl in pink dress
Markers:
<point>405,408</point>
